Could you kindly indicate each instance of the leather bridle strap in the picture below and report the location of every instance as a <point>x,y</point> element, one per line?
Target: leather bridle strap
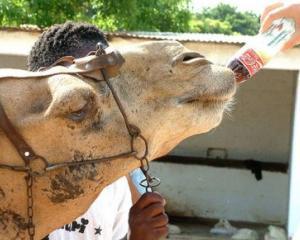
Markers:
<point>24,150</point>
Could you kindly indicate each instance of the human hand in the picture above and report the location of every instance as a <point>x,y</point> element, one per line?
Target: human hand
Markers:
<point>147,218</point>
<point>281,9</point>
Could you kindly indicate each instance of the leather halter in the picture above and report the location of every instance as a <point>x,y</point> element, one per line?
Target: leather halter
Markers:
<point>91,66</point>
<point>100,66</point>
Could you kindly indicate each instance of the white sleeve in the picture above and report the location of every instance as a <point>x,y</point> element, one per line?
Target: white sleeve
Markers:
<point>120,228</point>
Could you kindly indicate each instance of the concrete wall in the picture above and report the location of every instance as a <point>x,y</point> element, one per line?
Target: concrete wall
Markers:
<point>294,203</point>
<point>17,42</point>
<point>13,61</point>
<point>206,192</point>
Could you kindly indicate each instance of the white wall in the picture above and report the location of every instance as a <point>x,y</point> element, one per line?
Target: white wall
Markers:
<point>198,191</point>
<point>294,207</point>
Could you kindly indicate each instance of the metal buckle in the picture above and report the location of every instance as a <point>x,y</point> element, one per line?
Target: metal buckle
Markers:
<point>38,166</point>
<point>152,182</point>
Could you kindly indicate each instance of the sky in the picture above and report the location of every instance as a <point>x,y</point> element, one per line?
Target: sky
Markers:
<point>256,6</point>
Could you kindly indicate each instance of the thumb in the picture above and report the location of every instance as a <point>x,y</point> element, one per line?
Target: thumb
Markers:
<point>293,42</point>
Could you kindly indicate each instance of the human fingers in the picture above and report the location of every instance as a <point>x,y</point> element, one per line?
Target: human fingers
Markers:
<point>153,210</point>
<point>274,15</point>
<point>148,199</point>
<point>160,221</point>
<point>161,232</point>
<point>270,8</point>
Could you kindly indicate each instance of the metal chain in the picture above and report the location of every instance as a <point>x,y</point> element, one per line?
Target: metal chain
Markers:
<point>30,224</point>
<point>149,182</point>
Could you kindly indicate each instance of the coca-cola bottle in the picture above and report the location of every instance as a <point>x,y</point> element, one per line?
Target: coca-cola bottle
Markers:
<point>261,49</point>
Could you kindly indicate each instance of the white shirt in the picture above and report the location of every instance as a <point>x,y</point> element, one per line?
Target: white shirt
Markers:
<point>106,219</point>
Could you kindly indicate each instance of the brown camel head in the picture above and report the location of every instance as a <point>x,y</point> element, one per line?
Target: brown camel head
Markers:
<point>166,90</point>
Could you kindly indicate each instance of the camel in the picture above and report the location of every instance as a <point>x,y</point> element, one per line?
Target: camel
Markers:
<point>169,92</point>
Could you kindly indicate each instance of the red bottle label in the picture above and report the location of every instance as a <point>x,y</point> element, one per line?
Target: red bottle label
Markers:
<point>251,60</point>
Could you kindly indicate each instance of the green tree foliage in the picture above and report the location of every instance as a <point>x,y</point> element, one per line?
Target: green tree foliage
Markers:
<point>12,13</point>
<point>150,15</point>
<point>226,19</point>
<point>143,15</point>
<point>113,14</point>
<point>39,12</point>
<point>208,25</point>
<point>130,15</point>
<point>168,16</point>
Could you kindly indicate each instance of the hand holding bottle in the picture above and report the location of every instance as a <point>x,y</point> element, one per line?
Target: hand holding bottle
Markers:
<point>280,30</point>
<point>281,9</point>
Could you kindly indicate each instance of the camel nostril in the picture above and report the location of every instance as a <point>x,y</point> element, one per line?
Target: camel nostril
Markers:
<point>191,55</point>
<point>188,58</point>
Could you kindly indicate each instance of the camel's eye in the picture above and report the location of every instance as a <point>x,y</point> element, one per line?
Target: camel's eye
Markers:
<point>80,114</point>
